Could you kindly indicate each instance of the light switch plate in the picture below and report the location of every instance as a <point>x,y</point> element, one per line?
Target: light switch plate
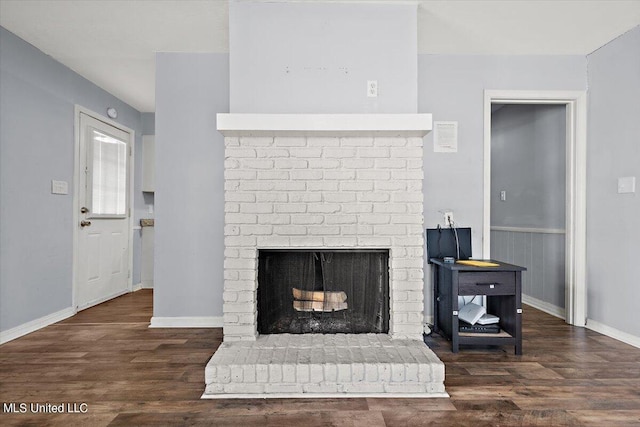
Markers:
<point>59,187</point>
<point>627,184</point>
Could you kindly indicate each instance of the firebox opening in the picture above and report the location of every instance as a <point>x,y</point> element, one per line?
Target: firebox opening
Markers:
<point>323,291</point>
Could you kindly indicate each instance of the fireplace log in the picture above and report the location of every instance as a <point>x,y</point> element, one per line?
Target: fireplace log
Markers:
<point>325,306</point>
<point>328,296</point>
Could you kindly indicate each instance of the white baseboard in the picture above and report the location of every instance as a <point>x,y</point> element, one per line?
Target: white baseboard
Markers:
<point>34,325</point>
<point>548,308</point>
<point>613,333</point>
<point>136,287</point>
<point>147,284</point>
<point>186,322</point>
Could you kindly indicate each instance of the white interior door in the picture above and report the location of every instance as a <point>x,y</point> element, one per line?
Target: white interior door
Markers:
<point>103,220</point>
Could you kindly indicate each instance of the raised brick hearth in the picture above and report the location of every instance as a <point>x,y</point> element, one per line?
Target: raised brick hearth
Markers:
<point>322,190</point>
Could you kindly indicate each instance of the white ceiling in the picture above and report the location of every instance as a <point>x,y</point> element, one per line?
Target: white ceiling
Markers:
<point>112,42</point>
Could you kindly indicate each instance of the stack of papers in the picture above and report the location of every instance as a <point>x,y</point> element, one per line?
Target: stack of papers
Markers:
<point>488,319</point>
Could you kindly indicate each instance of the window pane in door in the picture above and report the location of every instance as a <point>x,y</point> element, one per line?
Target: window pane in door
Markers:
<point>109,177</point>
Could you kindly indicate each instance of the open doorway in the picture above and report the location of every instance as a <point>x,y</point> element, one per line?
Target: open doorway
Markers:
<point>528,193</point>
<point>537,220</point>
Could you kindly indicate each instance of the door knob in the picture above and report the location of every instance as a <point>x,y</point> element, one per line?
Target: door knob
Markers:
<point>84,210</point>
<point>85,223</point>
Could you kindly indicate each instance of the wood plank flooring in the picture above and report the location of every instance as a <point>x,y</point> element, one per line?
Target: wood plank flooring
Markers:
<point>128,374</point>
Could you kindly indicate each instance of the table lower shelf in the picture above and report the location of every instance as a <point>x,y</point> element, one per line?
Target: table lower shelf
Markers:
<point>501,334</point>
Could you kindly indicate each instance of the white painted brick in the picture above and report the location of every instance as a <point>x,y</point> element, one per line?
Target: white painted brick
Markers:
<point>283,388</point>
<point>255,186</point>
<point>256,164</point>
<point>306,174</point>
<point>384,372</point>
<point>330,372</point>
<point>290,230</point>
<point>374,241</point>
<point>324,230</point>
<point>306,241</point>
<point>289,141</point>
<point>231,275</point>
<point>406,306</point>
<point>344,372</point>
<point>316,373</point>
<point>390,142</point>
<point>415,142</point>
<point>374,197</point>
<point>271,197</point>
<point>291,208</point>
<point>357,163</point>
<point>362,230</point>
<point>231,164</point>
<point>363,387</point>
<point>262,373</point>
<point>239,241</point>
<point>374,219</point>
<point>272,174</point>
<point>275,373</point>
<point>239,174</point>
<point>289,373</point>
<point>273,241</point>
<point>390,164</point>
<point>323,208</point>
<point>240,329</point>
<point>246,275</point>
<point>239,197</point>
<point>407,174</point>
<point>324,163</point>
<point>240,263</point>
<point>338,153</point>
<point>373,175</point>
<point>231,185</point>
<point>229,296</point>
<point>339,175</point>
<point>323,387</point>
<point>356,141</point>
<point>229,318</point>
<point>389,208</point>
<point>379,153</point>
<point>344,197</point>
<point>357,208</point>
<point>232,207</point>
<point>322,186</point>
<point>246,296</point>
<point>305,197</point>
<point>340,219</point>
<point>237,152</point>
<point>237,374</point>
<point>256,141</point>
<point>289,186</point>
<point>323,141</point>
<point>391,185</point>
<point>305,153</point>
<point>231,141</point>
<point>407,152</point>
<point>406,197</point>
<point>407,263</point>
<point>291,164</point>
<point>274,219</point>
<point>307,219</point>
<point>239,218</point>
<point>255,208</point>
<point>408,241</point>
<point>356,186</point>
<point>414,185</point>
<point>339,242</point>
<point>390,230</point>
<point>370,372</point>
<point>241,285</point>
<point>231,230</point>
<point>357,372</point>
<point>408,219</point>
<point>414,164</point>
<point>269,153</point>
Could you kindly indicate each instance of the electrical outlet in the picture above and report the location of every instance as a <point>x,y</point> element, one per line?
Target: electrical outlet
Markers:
<point>372,88</point>
<point>448,218</point>
<point>503,196</point>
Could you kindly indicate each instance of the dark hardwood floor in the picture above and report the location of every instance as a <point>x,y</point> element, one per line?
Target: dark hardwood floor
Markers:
<point>127,374</point>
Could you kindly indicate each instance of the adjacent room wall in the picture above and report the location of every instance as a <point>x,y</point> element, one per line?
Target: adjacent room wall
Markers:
<point>189,199</point>
<point>613,232</point>
<point>37,98</point>
<point>317,58</point>
<point>451,87</point>
<point>528,144</point>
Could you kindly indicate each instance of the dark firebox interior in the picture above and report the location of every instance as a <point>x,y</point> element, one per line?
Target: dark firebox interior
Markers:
<point>363,275</point>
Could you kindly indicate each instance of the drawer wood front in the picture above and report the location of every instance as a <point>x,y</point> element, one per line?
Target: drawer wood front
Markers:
<point>487,283</point>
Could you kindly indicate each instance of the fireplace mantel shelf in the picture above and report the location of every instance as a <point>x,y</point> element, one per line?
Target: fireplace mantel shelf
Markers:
<point>391,125</point>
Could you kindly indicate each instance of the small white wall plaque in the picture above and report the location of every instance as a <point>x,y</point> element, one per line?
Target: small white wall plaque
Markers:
<point>445,137</point>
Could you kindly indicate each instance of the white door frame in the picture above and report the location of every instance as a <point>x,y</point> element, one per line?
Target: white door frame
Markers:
<point>76,199</point>
<point>576,175</point>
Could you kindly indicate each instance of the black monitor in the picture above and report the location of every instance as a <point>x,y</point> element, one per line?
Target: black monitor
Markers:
<point>441,242</point>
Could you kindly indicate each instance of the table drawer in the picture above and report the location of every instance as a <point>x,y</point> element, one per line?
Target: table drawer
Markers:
<point>487,283</point>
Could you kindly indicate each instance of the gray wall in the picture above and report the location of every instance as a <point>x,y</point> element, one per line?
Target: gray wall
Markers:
<point>189,197</point>
<point>613,230</point>
<point>317,58</point>
<point>528,162</point>
<point>451,87</point>
<point>37,97</point>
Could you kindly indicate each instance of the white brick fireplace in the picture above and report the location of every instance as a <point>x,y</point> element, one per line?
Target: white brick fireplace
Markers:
<point>324,182</point>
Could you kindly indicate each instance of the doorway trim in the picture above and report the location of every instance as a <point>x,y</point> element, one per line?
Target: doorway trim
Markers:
<point>76,200</point>
<point>576,174</point>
